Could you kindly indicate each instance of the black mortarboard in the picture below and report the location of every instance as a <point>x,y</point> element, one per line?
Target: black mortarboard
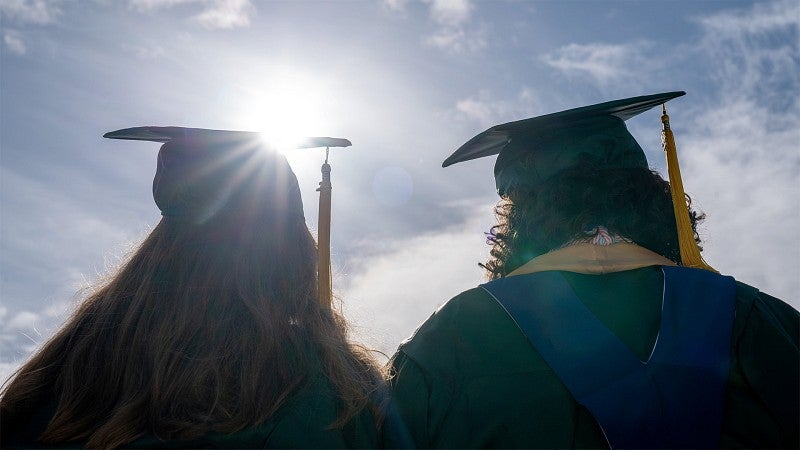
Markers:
<point>201,172</point>
<point>532,150</point>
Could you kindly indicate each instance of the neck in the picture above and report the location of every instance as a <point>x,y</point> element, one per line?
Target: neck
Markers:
<point>588,258</point>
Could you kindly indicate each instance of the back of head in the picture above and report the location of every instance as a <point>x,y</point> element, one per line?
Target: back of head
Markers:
<point>565,174</point>
<point>231,206</point>
<point>205,177</point>
<point>633,204</point>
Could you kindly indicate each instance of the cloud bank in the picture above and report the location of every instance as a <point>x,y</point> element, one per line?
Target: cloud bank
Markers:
<point>389,292</point>
<point>741,150</point>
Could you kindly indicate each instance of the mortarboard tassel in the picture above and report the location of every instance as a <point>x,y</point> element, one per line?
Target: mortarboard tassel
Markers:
<point>324,231</point>
<point>690,254</point>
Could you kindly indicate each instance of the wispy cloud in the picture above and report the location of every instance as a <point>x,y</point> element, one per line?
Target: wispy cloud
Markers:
<point>602,62</point>
<point>457,40</point>
<point>215,14</point>
<point>23,320</point>
<point>764,18</point>
<point>225,14</point>
<point>455,32</point>
<point>486,109</point>
<point>757,51</point>
<point>37,12</point>
<point>450,12</point>
<point>14,43</point>
<point>746,45</point>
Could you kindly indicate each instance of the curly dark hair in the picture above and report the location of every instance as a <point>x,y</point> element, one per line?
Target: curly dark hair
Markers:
<point>633,203</point>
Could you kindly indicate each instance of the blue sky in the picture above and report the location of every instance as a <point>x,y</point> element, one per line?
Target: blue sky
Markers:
<point>407,82</point>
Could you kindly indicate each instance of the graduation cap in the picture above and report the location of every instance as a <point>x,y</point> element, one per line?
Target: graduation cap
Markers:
<point>531,151</point>
<point>166,134</point>
<point>203,172</point>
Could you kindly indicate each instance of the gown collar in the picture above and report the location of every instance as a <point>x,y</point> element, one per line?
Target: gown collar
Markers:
<point>594,259</point>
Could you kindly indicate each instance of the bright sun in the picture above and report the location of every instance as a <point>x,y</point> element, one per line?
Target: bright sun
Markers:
<point>284,108</point>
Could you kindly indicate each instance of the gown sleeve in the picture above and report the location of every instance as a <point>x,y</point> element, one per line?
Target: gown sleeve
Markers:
<point>764,387</point>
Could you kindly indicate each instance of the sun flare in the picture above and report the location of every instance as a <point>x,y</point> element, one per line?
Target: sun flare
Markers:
<point>284,109</point>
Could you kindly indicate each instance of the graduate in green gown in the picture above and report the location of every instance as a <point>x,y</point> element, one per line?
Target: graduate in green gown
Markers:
<point>212,333</point>
<point>599,327</point>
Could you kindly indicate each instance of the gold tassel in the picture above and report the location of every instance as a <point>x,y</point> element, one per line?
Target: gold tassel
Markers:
<point>690,253</point>
<point>324,238</point>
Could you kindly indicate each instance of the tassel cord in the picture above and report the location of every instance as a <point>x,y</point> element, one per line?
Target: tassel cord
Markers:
<point>324,235</point>
<point>690,253</point>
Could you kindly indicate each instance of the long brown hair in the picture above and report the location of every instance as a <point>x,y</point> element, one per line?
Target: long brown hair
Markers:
<point>206,327</point>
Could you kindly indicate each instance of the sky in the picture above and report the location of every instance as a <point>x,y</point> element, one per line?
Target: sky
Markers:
<point>407,82</point>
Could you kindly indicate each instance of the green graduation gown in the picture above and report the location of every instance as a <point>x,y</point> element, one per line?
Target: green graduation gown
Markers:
<point>468,377</point>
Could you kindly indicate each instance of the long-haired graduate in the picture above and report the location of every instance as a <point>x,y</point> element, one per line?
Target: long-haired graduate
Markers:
<point>212,333</point>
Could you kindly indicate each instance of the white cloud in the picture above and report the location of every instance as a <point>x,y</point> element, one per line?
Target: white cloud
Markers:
<point>226,14</point>
<point>395,290</point>
<point>741,153</point>
<point>14,43</point>
<point>216,14</point>
<point>25,332</point>
<point>455,34</point>
<point>764,17</point>
<point>746,176</point>
<point>603,62</point>
<point>22,321</point>
<point>487,110</point>
<point>450,12</point>
<point>480,111</point>
<point>38,12</point>
<point>457,40</point>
